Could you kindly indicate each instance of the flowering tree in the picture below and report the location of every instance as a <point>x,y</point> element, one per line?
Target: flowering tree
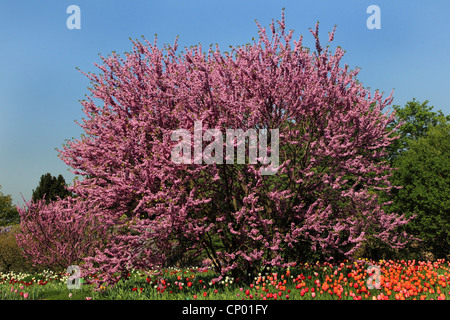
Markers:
<point>332,138</point>
<point>58,234</point>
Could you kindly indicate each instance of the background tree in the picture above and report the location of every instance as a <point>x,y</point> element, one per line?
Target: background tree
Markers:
<point>423,176</point>
<point>8,212</point>
<point>424,173</point>
<point>51,188</point>
<point>415,118</point>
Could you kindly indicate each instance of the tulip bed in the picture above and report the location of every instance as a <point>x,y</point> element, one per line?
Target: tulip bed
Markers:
<point>398,280</point>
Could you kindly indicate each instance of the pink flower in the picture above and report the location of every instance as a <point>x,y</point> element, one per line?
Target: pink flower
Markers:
<point>25,295</point>
<point>313,294</point>
<point>88,298</point>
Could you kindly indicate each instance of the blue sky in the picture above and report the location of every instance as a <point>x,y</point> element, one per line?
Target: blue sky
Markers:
<point>40,87</point>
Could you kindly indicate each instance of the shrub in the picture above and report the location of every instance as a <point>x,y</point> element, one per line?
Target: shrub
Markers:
<point>11,257</point>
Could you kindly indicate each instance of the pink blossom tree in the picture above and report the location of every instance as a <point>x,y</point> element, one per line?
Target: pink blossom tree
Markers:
<point>332,139</point>
<point>58,234</point>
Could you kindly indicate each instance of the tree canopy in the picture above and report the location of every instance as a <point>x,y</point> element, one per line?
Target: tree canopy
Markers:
<point>424,174</point>
<point>50,188</point>
<point>415,119</point>
<point>8,212</point>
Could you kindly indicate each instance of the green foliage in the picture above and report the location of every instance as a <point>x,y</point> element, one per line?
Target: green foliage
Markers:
<point>8,212</point>
<point>424,173</point>
<point>11,257</point>
<point>417,118</point>
<point>421,156</point>
<point>51,188</point>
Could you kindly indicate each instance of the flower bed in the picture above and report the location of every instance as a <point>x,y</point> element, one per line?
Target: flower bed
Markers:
<point>391,280</point>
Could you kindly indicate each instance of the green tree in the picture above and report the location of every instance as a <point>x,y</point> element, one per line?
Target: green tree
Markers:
<point>424,173</point>
<point>8,212</point>
<point>414,159</point>
<point>417,118</point>
<point>51,188</point>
